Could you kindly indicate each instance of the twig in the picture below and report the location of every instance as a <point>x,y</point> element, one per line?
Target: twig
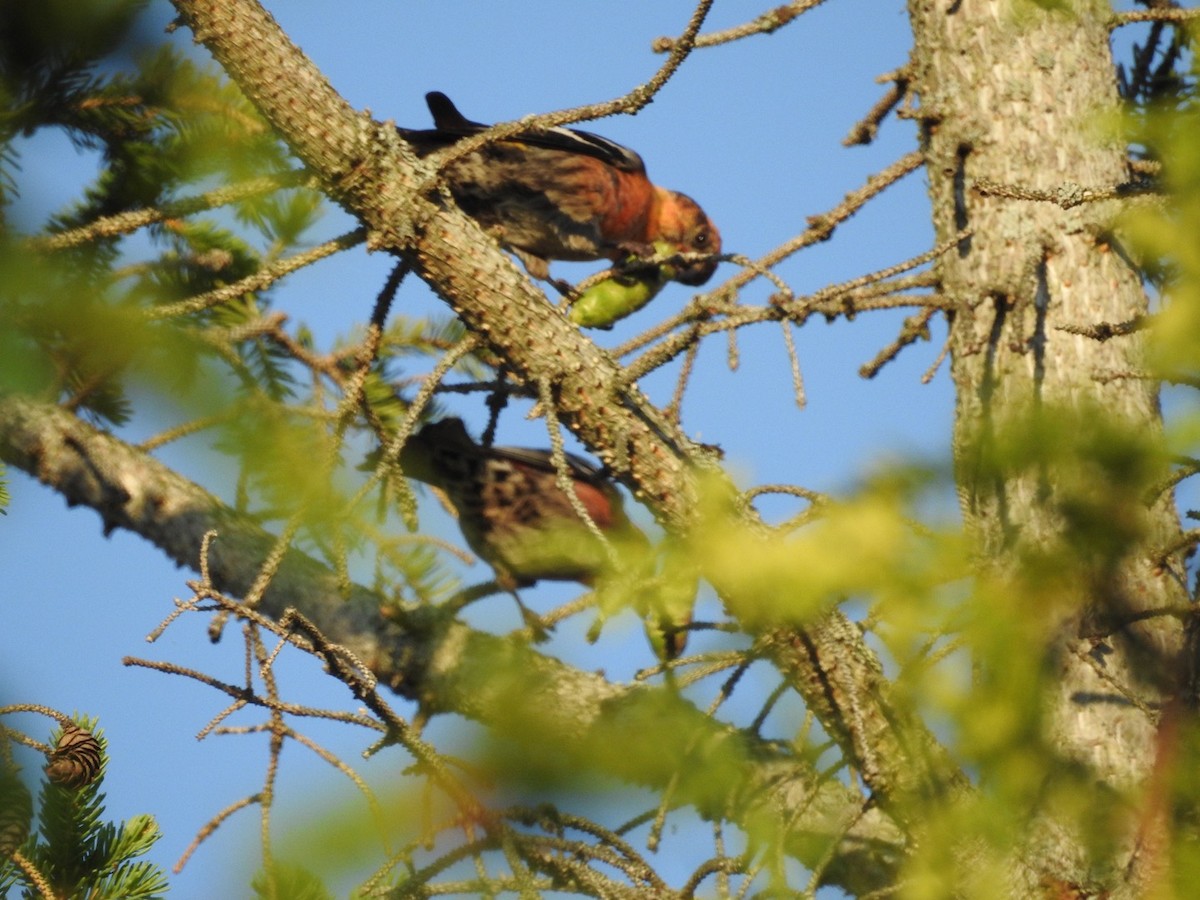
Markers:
<point>785,303</point>
<point>61,718</point>
<point>261,279</point>
<point>362,684</point>
<point>821,227</point>
<point>829,305</point>
<point>209,827</point>
<point>1103,331</point>
<point>271,564</point>
<point>127,222</point>
<point>794,360</point>
<point>937,363</point>
<point>1188,466</point>
<point>631,102</point>
<point>674,410</point>
<point>36,878</point>
<point>562,470</point>
<point>185,429</point>
<point>1116,20</point>
<point>816,498</point>
<point>818,870</point>
<point>1186,541</point>
<point>568,609</point>
<point>1067,195</point>
<point>245,696</point>
<point>395,443</point>
<point>916,327</point>
<point>769,704</point>
<point>770,21</point>
<point>865,130</point>
<point>879,276</point>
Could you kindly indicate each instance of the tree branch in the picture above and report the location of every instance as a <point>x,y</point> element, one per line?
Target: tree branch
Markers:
<point>447,666</point>
<point>771,20</point>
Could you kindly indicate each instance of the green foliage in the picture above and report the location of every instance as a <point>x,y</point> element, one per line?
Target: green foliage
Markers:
<point>16,816</point>
<point>931,610</point>
<point>865,543</point>
<point>1163,235</point>
<point>158,124</point>
<point>93,315</point>
<point>77,852</point>
<point>1167,124</point>
<point>47,52</point>
<point>284,882</point>
<point>1100,482</point>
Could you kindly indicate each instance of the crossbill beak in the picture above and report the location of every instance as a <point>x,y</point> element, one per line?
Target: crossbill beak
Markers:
<point>682,226</point>
<point>695,273</point>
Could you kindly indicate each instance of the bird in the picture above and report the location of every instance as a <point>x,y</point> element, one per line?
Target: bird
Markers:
<point>511,509</point>
<point>515,516</point>
<point>562,193</point>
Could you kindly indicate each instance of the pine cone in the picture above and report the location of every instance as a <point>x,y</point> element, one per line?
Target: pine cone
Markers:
<point>75,761</point>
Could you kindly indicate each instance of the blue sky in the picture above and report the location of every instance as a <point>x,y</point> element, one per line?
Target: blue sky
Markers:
<point>751,130</point>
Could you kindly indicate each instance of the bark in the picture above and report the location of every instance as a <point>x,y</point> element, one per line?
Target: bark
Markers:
<point>1012,95</point>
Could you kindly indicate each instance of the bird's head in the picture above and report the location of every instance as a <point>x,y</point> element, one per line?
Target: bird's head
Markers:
<point>684,225</point>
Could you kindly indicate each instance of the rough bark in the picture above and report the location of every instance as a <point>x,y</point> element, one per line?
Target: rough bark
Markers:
<point>1012,95</point>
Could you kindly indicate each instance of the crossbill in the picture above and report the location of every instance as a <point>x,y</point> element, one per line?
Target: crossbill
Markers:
<point>515,516</point>
<point>511,509</point>
<point>560,193</point>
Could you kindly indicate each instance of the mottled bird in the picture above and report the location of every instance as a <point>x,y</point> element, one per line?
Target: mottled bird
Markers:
<point>561,193</point>
<point>516,517</point>
<point>511,509</point>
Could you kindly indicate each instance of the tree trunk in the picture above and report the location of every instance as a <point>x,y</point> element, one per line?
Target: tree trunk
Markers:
<point>1012,97</point>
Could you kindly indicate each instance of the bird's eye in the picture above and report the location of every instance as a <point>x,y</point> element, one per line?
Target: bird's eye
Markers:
<point>700,240</point>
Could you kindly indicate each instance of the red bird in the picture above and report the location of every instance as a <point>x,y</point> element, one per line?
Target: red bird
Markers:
<point>559,193</point>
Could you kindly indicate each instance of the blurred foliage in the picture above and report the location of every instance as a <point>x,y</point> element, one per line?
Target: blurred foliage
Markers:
<point>1158,86</point>
<point>973,652</point>
<point>100,306</point>
<point>1163,234</point>
<point>290,882</point>
<point>1168,125</point>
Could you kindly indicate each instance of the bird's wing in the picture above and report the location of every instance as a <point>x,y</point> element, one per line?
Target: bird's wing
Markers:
<point>581,468</point>
<point>452,126</point>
